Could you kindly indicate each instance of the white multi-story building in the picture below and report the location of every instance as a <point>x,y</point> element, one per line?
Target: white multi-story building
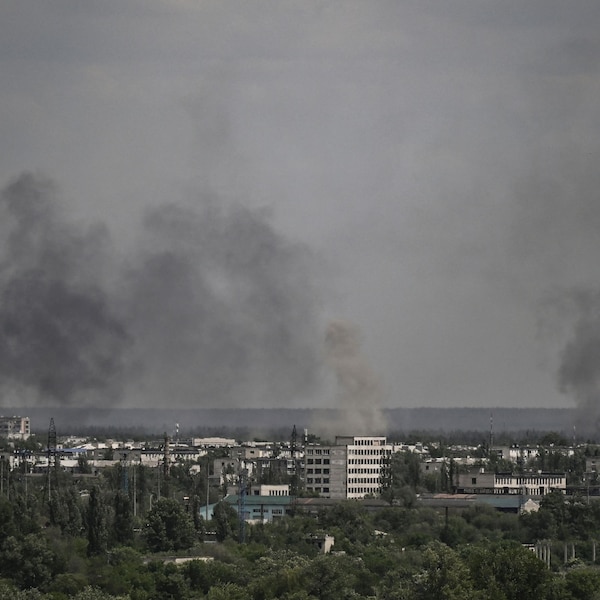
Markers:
<point>351,468</point>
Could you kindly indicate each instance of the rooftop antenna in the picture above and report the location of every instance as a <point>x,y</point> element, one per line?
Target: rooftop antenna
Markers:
<point>491,430</point>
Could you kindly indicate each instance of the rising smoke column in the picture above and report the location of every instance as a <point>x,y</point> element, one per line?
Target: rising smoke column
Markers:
<point>222,308</point>
<point>59,339</point>
<point>358,391</point>
<point>213,307</point>
<point>579,368</point>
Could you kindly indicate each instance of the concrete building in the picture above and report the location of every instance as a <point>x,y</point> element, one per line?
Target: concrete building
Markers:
<point>351,468</point>
<point>528,484</point>
<point>261,509</point>
<point>16,428</point>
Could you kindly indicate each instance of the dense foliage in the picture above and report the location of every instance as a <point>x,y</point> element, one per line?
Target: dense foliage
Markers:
<point>115,536</point>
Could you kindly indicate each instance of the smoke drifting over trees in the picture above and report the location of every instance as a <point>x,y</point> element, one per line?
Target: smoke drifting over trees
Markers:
<point>212,308</point>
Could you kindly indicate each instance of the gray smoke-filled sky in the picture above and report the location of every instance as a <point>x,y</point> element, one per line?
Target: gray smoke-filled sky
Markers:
<point>231,176</point>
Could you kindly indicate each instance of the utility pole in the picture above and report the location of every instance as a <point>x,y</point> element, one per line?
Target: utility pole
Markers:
<point>207,483</point>
<point>51,455</point>
<point>242,504</point>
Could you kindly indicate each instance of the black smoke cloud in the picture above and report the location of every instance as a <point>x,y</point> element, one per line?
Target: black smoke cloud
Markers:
<point>574,316</point>
<point>213,307</point>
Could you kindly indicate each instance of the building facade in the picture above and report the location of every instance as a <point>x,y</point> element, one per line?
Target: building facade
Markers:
<point>351,468</point>
<point>529,484</point>
<point>15,427</point>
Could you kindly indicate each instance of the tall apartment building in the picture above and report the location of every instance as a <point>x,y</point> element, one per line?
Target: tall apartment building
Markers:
<point>15,427</point>
<point>351,468</point>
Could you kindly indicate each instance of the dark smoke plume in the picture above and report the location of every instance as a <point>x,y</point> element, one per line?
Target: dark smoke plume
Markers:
<point>579,370</point>
<point>59,338</point>
<point>358,390</point>
<point>212,308</point>
<point>222,309</point>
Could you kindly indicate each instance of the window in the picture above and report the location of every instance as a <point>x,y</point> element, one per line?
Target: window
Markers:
<point>309,471</point>
<point>277,511</point>
<point>325,461</point>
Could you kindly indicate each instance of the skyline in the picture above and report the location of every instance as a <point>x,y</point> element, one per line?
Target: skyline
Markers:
<point>423,172</point>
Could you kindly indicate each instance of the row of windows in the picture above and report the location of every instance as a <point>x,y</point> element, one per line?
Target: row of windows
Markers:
<point>317,461</point>
<point>360,490</point>
<point>371,480</point>
<point>317,471</point>
<point>364,461</point>
<point>367,451</point>
<point>317,480</point>
<point>317,451</point>
<point>365,470</point>
<point>369,442</point>
<point>321,490</point>
<point>535,480</point>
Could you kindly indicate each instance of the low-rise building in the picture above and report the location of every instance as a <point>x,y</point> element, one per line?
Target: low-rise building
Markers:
<point>529,484</point>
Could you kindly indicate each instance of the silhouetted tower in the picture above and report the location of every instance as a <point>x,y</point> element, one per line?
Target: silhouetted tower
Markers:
<point>491,432</point>
<point>166,458</point>
<point>52,455</point>
<point>124,473</point>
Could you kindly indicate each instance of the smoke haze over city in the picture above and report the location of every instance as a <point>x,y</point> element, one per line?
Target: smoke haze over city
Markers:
<point>195,193</point>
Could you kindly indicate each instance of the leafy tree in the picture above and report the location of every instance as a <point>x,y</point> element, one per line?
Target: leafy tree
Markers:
<point>401,475</point>
<point>7,523</point>
<point>226,520</point>
<point>583,584</point>
<point>96,517</point>
<point>30,562</point>
<point>444,576</point>
<point>10,592</point>
<point>83,465</point>
<point>26,514</point>
<point>169,527</point>
<point>68,584</point>
<point>123,520</point>
<point>203,576</point>
<point>508,571</point>
<point>92,593</point>
<point>197,517</point>
<point>228,591</point>
<point>332,577</point>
